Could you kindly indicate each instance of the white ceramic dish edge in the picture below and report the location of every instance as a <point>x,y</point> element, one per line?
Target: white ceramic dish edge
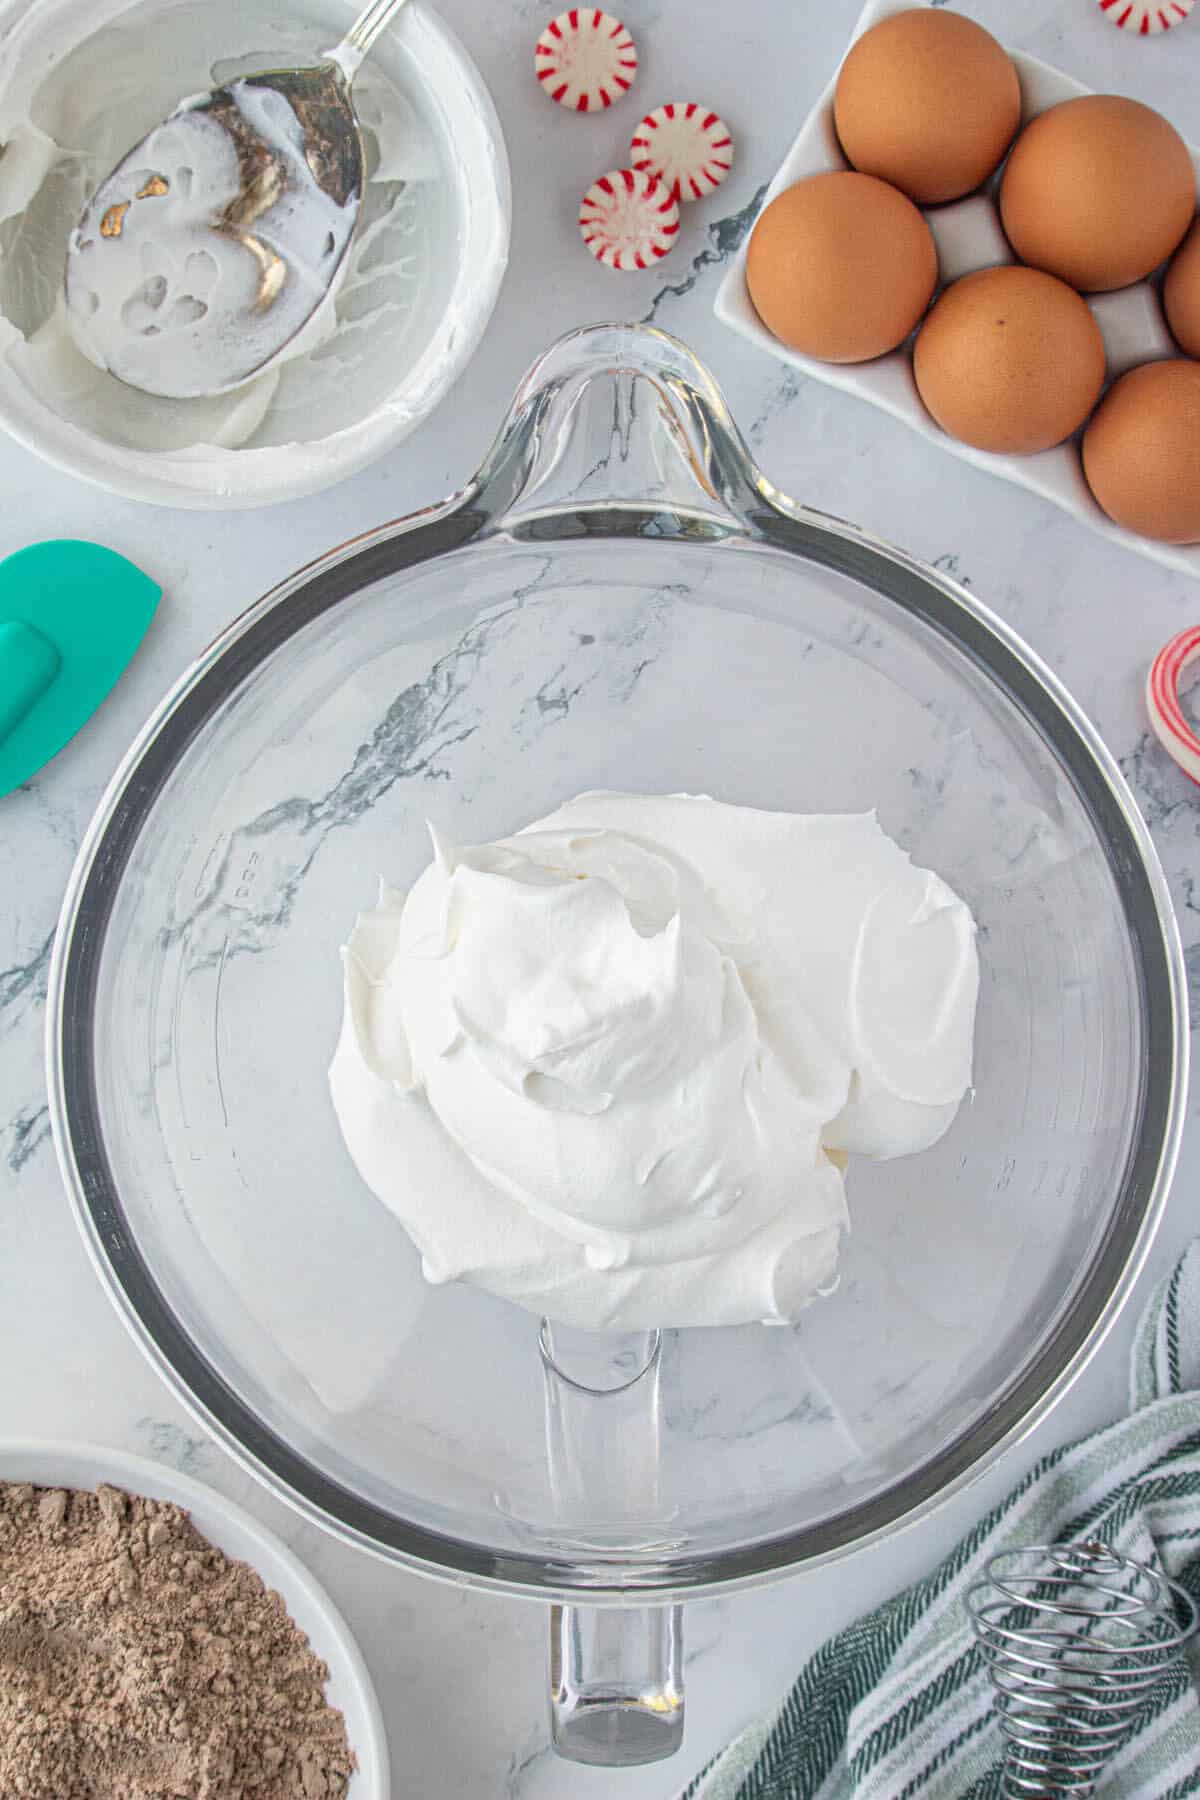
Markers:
<point>1132,328</point>
<point>56,1464</point>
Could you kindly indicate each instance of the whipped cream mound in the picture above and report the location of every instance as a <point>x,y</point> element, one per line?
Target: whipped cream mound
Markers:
<point>610,1068</point>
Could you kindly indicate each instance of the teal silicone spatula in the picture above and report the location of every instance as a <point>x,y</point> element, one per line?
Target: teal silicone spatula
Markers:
<point>71,616</point>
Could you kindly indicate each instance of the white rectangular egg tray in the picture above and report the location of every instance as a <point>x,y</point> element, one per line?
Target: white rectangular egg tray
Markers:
<point>968,236</point>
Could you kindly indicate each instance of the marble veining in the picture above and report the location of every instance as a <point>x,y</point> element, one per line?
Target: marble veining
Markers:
<point>418,729</point>
<point>1169,804</point>
<point>782,397</point>
<point>1164,795</point>
<point>769,1411</point>
<point>523,1760</point>
<point>22,1002</point>
<point>725,236</point>
<point>1191,959</point>
<point>415,740</point>
<point>25,983</point>
<point>167,1442</point>
<point>27,1131</point>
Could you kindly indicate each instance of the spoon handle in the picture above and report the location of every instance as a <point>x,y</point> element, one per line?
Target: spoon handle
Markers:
<point>363,33</point>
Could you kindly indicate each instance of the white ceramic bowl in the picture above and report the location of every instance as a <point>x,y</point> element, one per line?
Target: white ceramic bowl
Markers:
<point>237,1534</point>
<point>90,77</point>
<point>969,236</point>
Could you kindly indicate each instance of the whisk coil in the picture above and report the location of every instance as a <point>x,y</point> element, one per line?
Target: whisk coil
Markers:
<point>1077,1639</point>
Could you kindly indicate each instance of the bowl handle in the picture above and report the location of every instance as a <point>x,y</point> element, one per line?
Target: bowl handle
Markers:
<point>621,416</point>
<point>616,1683</point>
<point>616,1672</point>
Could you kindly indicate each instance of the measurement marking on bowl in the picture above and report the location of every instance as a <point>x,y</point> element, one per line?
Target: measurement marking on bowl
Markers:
<point>245,888</point>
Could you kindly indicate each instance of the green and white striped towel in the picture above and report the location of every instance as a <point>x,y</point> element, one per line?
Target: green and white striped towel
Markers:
<point>899,1704</point>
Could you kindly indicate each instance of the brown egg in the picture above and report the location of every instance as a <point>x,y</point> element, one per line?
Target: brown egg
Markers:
<point>841,267</point>
<point>1141,452</point>
<point>1099,191</point>
<point>1010,360</point>
<point>1181,293</point>
<point>928,101</point>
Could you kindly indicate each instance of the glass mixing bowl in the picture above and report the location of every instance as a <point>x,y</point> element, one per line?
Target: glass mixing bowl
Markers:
<point>619,599</point>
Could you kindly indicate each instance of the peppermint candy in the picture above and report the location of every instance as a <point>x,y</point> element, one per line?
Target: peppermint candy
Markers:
<point>687,146</point>
<point>628,219</point>
<point>585,59</point>
<point>1144,18</point>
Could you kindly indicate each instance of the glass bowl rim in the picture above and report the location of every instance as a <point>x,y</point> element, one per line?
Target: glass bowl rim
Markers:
<point>466,520</point>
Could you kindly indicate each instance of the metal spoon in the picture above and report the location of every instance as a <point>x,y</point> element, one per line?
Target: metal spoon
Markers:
<point>216,242</point>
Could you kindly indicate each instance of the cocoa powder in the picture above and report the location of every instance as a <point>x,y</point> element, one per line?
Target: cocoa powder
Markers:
<point>138,1662</point>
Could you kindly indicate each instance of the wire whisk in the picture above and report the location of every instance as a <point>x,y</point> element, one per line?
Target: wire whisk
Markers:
<point>1079,1641</point>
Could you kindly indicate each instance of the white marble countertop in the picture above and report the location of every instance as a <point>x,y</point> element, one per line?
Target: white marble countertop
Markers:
<point>461,1675</point>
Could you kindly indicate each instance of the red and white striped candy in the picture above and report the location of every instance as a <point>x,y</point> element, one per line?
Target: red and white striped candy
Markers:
<point>687,146</point>
<point>1146,17</point>
<point>1162,698</point>
<point>585,59</point>
<point>628,219</point>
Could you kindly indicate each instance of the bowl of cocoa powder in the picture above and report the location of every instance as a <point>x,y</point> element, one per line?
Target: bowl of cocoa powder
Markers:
<point>158,1643</point>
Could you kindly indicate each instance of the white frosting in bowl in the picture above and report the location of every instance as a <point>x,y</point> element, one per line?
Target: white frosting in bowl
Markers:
<point>81,82</point>
<point>165,294</point>
<point>598,1067</point>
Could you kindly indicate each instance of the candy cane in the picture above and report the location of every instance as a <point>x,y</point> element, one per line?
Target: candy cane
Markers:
<point>1162,699</point>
